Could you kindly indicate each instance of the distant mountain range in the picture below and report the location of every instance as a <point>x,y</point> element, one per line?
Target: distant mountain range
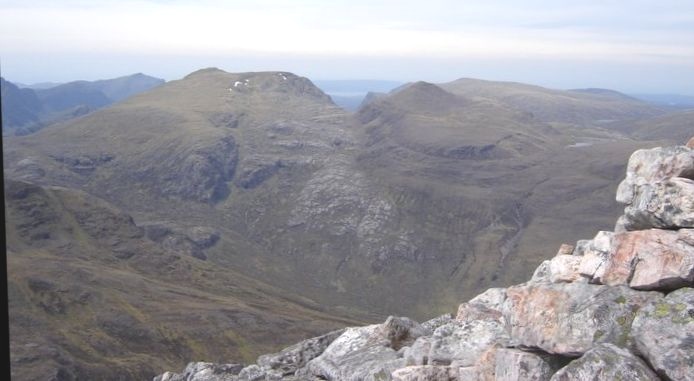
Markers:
<point>30,109</point>
<point>349,94</point>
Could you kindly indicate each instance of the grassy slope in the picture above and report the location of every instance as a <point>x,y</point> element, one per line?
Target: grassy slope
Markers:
<point>91,297</point>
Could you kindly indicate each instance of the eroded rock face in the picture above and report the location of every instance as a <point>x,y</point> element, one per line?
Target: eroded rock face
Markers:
<point>570,318</point>
<point>606,362</point>
<point>663,331</point>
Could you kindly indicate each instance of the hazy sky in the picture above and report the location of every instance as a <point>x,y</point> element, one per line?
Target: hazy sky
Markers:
<point>629,45</point>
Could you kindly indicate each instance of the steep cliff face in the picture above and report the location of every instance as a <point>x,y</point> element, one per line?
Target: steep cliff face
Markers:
<point>617,307</point>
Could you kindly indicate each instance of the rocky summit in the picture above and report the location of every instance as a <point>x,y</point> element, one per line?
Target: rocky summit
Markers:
<point>617,307</point>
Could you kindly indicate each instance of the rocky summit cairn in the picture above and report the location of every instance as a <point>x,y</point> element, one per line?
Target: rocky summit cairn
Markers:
<point>617,307</point>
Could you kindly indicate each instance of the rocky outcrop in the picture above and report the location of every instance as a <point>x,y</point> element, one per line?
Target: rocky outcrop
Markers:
<point>664,334</point>
<point>570,318</point>
<point>596,311</point>
<point>658,190</point>
<point>606,362</point>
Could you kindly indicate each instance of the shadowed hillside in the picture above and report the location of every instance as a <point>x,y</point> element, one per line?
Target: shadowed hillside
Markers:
<point>94,296</point>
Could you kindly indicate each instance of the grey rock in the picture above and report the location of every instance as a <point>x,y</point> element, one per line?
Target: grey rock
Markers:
<point>564,268</point>
<point>203,371</point>
<point>365,353</point>
<point>606,362</point>
<point>461,343</point>
<point>542,273</point>
<point>290,359</point>
<point>252,373</point>
<point>663,331</point>
<point>436,322</point>
<point>648,166</point>
<point>426,373</point>
<point>667,205</point>
<point>580,247</point>
<point>517,365</point>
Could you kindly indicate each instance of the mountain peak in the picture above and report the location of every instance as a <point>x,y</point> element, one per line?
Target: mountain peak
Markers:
<point>206,70</point>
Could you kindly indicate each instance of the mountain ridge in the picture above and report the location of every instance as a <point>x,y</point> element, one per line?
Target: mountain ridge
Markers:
<point>67,101</point>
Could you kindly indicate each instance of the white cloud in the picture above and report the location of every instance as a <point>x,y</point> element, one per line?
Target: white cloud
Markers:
<point>439,28</point>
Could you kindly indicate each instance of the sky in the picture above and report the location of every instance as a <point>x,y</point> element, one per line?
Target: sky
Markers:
<point>635,46</point>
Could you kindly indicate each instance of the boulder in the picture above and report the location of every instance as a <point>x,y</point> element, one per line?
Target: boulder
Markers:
<point>432,324</point>
<point>565,249</point>
<point>542,273</point>
<point>485,305</point>
<point>479,325</point>
<point>425,373</point>
<point>595,254</point>
<point>564,268</point>
<point>663,332</point>
<point>569,318</point>
<point>203,371</point>
<point>606,362</point>
<point>365,353</point>
<point>462,343</point>
<point>516,365</point>
<point>690,143</point>
<point>646,259</point>
<point>251,373</point>
<point>668,204</point>
<point>290,359</point>
<point>654,165</point>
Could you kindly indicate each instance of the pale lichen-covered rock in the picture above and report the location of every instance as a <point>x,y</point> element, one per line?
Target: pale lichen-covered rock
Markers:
<point>461,343</point>
<point>484,306</point>
<point>478,326</point>
<point>365,353</point>
<point>649,166</point>
<point>426,373</point>
<point>542,273</point>
<point>581,246</point>
<point>516,365</point>
<point>606,362</point>
<point>564,268</point>
<point>565,249</point>
<point>436,322</point>
<point>203,371</point>
<point>252,373</point>
<point>666,205</point>
<point>663,331</point>
<point>290,359</point>
<point>646,259</point>
<point>596,253</point>
<point>570,318</point>
<point>657,190</point>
